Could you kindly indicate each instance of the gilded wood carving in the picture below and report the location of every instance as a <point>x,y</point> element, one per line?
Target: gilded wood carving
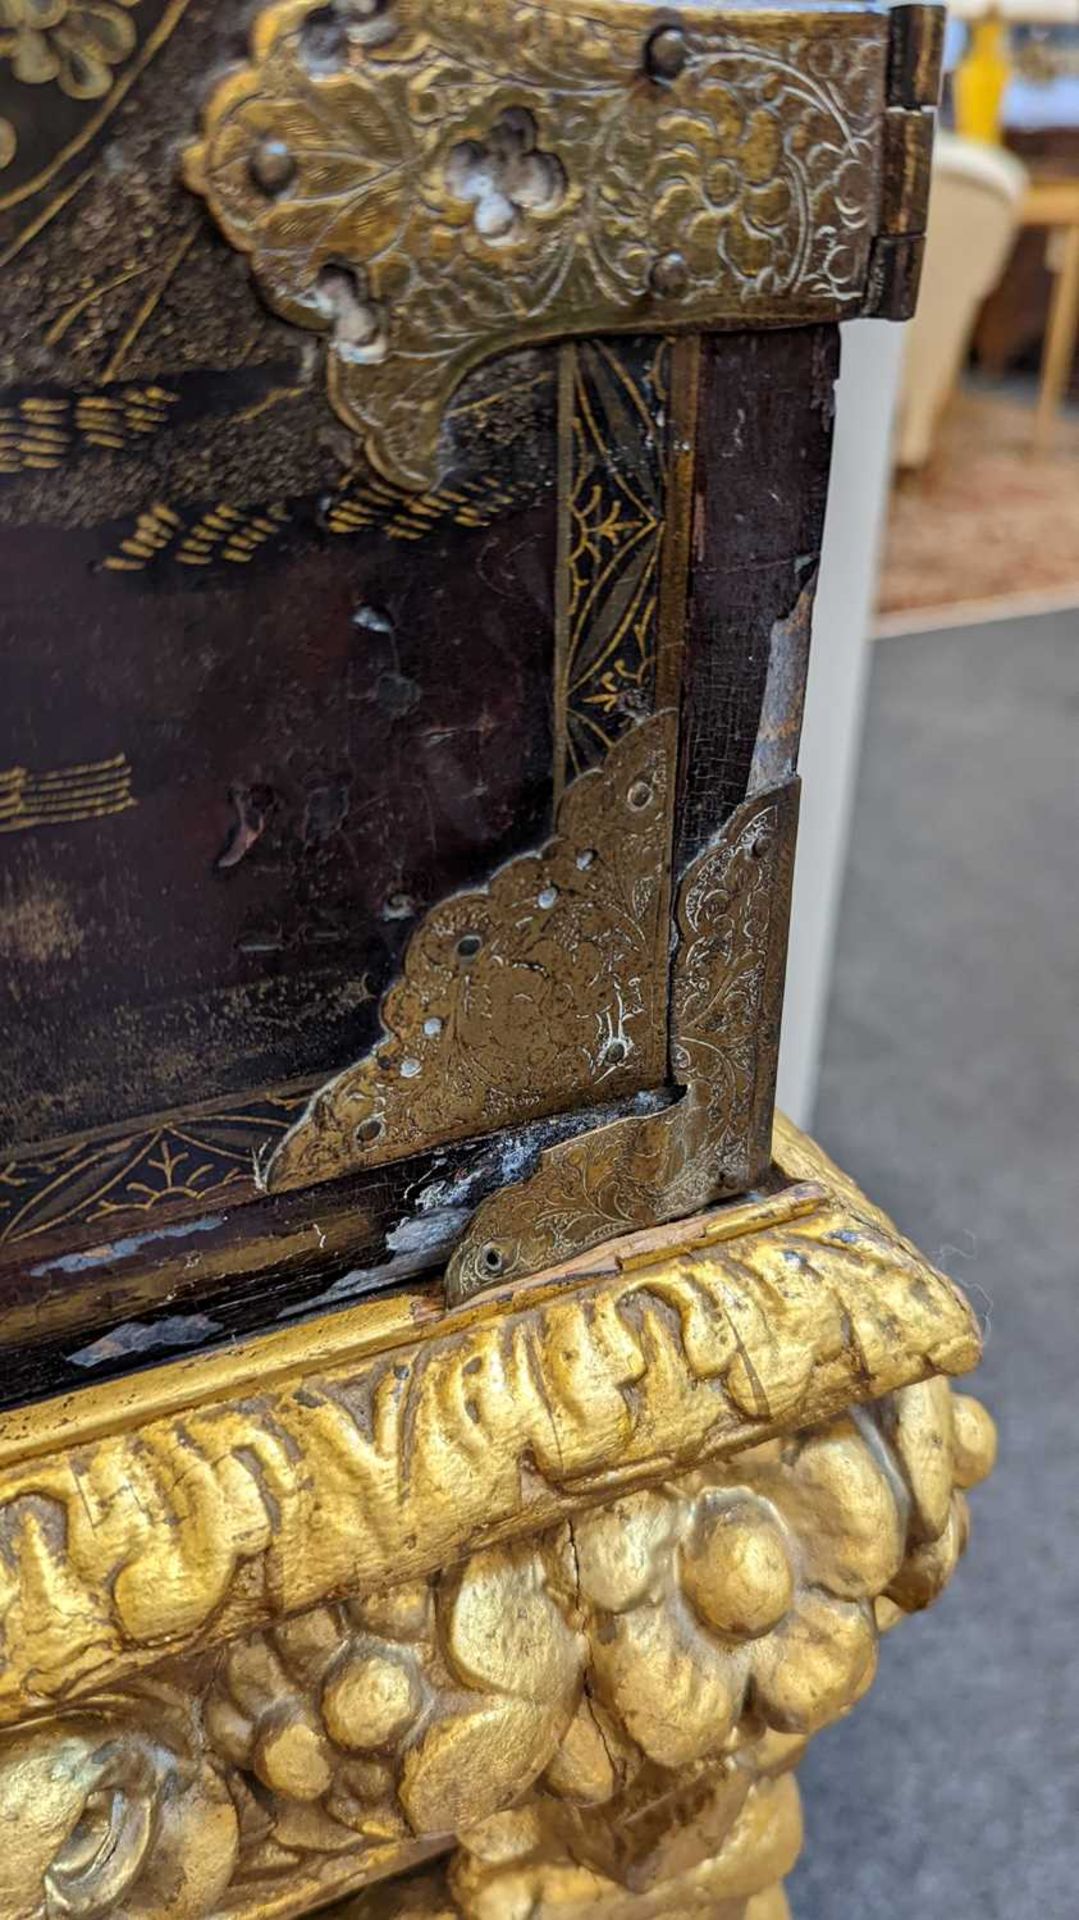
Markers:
<point>606,1712</point>
<point>677,1645</point>
<point>429,185</point>
<point>738,1883</point>
<point>601,1702</point>
<point>381,1443</point>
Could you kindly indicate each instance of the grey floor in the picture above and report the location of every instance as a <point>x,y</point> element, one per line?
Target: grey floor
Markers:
<point>951,1089</point>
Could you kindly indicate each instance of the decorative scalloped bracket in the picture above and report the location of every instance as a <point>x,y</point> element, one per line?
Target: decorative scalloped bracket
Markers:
<point>544,990</point>
<point>431,184</point>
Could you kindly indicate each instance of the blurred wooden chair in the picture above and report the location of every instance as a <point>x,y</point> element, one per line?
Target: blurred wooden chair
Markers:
<point>974,209</point>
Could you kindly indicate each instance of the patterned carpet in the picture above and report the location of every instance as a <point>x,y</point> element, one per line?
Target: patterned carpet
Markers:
<point>987,519</point>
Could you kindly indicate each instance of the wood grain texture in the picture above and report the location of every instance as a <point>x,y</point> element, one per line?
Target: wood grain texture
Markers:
<point>764,430</point>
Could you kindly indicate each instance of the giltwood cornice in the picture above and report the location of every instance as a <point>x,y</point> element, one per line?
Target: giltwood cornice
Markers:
<point>563,1578</point>
<point>183,1505</point>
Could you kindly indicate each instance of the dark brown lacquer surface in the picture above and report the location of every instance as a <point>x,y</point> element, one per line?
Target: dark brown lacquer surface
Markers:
<point>351,809</point>
<point>765,419</point>
<point>236,786</point>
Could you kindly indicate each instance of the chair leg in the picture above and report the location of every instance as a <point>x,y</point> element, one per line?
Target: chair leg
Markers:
<point>1060,341</point>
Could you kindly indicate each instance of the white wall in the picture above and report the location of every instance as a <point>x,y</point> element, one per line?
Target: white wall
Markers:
<point>839,660</point>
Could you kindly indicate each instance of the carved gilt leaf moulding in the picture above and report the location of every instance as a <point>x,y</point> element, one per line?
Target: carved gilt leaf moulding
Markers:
<point>179,1506</point>
<point>567,1579</point>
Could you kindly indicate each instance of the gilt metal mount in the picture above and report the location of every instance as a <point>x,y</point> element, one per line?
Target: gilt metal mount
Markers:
<point>431,184</point>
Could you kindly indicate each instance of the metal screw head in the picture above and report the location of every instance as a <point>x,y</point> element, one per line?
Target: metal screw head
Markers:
<point>669,275</point>
<point>272,165</point>
<point>666,53</point>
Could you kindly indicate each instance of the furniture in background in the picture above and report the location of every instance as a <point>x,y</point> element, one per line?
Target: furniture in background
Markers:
<point>975,202</point>
<point>1011,330</point>
<point>1053,205</point>
<point>1004,38</point>
<point>449,1424</point>
<point>1017,84</point>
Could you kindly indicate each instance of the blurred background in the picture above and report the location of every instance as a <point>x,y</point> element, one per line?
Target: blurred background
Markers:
<point>932,1024</point>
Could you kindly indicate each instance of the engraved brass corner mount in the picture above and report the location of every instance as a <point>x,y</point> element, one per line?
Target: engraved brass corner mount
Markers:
<point>551,988</point>
<point>546,988</point>
<point>431,184</point>
<point>726,996</point>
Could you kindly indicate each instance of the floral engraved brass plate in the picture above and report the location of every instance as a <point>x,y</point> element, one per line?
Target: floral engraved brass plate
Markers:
<point>432,184</point>
<point>545,989</point>
<point>727,990</point>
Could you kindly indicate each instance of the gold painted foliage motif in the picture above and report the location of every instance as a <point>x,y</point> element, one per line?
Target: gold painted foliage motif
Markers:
<point>41,432</point>
<point>616,512</point>
<point>99,1182</point>
<point>219,533</point>
<point>430,184</point>
<point>82,50</point>
<point>77,43</point>
<point>546,989</point>
<point>62,796</point>
<point>365,501</point>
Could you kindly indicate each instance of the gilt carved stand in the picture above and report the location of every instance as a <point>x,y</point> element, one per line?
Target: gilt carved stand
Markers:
<point>457,1442</point>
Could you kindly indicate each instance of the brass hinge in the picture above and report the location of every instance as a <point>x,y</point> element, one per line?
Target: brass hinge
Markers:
<point>915,50</point>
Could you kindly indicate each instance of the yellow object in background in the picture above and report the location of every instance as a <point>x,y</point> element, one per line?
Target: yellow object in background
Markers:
<point>980,81</point>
